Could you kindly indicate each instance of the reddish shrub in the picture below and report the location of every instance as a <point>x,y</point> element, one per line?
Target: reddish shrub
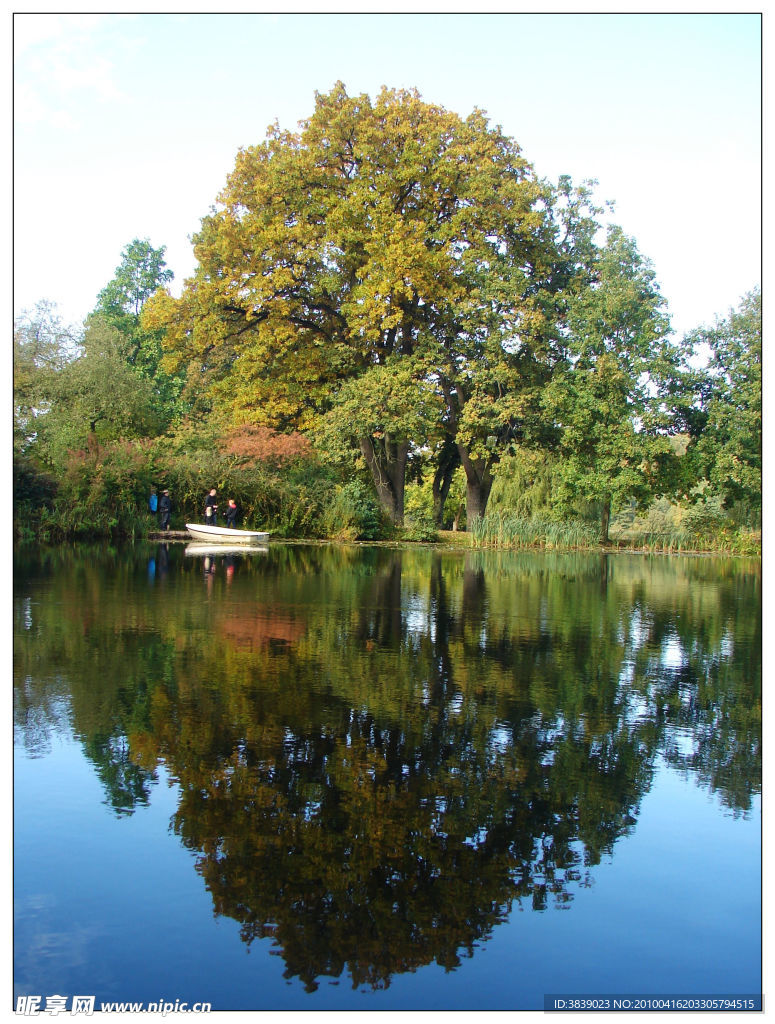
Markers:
<point>262,444</point>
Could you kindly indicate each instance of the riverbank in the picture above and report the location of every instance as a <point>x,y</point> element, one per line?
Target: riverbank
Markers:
<point>461,540</point>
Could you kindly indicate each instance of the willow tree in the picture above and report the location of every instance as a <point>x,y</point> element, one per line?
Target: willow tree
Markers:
<point>95,398</point>
<point>43,345</point>
<point>380,230</point>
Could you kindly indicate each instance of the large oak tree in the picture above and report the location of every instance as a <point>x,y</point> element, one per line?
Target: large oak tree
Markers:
<point>382,230</point>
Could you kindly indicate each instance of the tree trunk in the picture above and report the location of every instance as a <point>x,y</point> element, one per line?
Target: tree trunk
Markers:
<point>379,617</point>
<point>605,519</point>
<point>449,460</point>
<point>478,485</point>
<point>477,496</point>
<point>387,463</point>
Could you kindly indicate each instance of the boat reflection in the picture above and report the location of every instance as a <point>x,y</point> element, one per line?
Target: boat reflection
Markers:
<point>226,549</point>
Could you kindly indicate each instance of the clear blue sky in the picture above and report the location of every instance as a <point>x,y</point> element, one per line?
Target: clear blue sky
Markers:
<point>125,126</point>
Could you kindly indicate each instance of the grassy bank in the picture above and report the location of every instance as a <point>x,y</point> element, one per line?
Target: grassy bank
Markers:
<point>508,531</point>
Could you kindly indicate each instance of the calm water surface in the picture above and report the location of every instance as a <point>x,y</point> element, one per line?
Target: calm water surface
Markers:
<point>316,778</point>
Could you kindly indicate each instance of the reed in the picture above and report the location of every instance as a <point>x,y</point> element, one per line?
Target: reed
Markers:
<point>678,540</point>
<point>508,530</point>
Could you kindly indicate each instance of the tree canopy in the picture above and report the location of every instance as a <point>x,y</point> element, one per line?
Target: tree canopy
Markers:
<point>141,272</point>
<point>42,347</point>
<point>606,401</point>
<point>731,443</point>
<point>380,231</point>
<point>95,398</point>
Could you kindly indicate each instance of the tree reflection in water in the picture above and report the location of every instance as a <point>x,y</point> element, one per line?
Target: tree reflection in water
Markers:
<point>381,752</point>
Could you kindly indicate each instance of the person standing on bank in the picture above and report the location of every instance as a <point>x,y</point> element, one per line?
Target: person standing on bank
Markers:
<point>165,509</point>
<point>211,509</point>
<point>231,514</point>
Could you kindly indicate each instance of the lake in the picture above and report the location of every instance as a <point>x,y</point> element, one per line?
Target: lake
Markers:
<point>370,778</point>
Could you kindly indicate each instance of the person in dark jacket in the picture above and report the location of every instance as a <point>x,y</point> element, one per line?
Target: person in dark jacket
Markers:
<point>211,509</point>
<point>231,514</point>
<point>165,510</point>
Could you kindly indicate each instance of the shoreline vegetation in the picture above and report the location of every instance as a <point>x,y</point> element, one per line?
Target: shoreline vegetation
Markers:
<point>395,327</point>
<point>492,533</point>
<point>102,491</point>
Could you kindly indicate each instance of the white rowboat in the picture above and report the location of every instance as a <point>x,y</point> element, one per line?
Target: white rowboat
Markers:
<point>223,535</point>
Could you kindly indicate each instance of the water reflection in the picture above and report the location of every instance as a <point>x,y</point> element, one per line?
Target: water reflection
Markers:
<point>380,753</point>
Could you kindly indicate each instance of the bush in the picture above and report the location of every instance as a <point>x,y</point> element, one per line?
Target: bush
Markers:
<point>289,502</point>
<point>706,515</point>
<point>354,514</point>
<point>103,493</point>
<point>702,525</point>
<point>661,517</point>
<point>418,514</point>
<point>524,484</point>
<point>420,528</point>
<point>31,484</point>
<point>34,492</point>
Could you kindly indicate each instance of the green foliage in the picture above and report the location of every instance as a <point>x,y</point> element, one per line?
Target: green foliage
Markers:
<point>100,494</point>
<point>454,511</point>
<point>33,491</point>
<point>103,493</point>
<point>354,514</point>
<point>420,528</point>
<point>731,443</point>
<point>393,401</point>
<point>606,402</point>
<point>289,503</point>
<point>31,484</point>
<point>419,523</point>
<point>140,274</point>
<point>42,346</point>
<point>525,483</point>
<point>95,399</point>
<point>705,515</point>
<point>373,420</point>
<point>142,270</point>
<point>699,524</point>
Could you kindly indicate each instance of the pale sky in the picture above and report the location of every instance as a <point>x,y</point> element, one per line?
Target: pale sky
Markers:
<point>126,126</point>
